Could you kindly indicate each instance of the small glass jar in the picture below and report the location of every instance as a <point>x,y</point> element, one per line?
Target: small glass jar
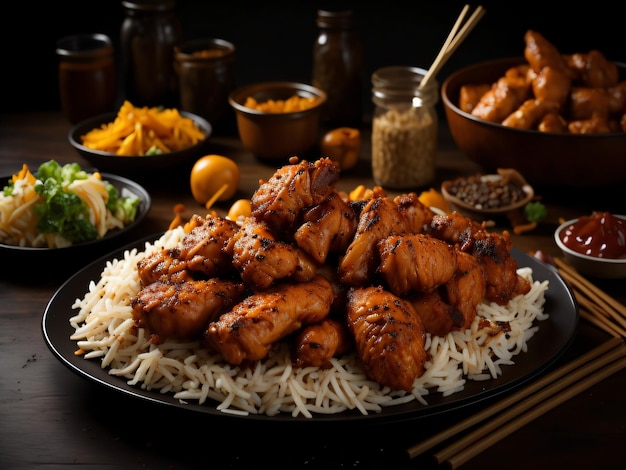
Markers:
<point>149,32</point>
<point>338,68</point>
<point>87,82</point>
<point>206,75</point>
<point>404,128</point>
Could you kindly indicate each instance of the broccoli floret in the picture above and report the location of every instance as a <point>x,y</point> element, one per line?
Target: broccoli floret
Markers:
<point>535,211</point>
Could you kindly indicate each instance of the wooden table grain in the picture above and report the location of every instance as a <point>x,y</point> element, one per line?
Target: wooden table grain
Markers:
<point>51,418</point>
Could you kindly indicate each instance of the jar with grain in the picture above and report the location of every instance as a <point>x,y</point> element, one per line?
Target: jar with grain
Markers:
<point>404,128</point>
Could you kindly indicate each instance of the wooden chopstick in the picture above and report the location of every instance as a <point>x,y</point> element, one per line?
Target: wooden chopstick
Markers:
<point>596,302</point>
<point>482,439</point>
<point>590,357</point>
<point>453,41</point>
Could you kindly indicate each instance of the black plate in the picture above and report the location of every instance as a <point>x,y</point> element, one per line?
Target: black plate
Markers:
<point>78,255</point>
<point>547,345</point>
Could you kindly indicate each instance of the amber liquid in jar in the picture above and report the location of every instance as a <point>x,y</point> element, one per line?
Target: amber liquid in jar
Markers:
<point>601,235</point>
<point>206,75</point>
<point>87,84</point>
<point>404,128</point>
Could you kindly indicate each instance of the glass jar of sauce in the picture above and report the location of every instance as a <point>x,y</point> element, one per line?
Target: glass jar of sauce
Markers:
<point>601,235</point>
<point>86,75</point>
<point>149,32</point>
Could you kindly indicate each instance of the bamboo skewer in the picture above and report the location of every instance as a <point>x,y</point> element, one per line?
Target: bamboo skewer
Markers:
<point>453,41</point>
<point>527,391</point>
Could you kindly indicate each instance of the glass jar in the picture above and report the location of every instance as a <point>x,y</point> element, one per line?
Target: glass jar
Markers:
<point>206,75</point>
<point>149,32</point>
<point>86,75</point>
<point>338,68</point>
<point>404,128</point>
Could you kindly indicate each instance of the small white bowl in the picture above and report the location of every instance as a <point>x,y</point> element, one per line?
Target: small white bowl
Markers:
<point>607,268</point>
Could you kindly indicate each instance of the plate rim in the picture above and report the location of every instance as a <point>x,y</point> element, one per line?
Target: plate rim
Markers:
<point>559,295</point>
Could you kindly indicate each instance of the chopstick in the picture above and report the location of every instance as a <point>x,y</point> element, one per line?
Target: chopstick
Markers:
<point>453,41</point>
<point>608,313</point>
<point>570,379</point>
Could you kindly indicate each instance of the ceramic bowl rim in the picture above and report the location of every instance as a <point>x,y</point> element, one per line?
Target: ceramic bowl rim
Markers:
<point>565,249</point>
<point>237,96</point>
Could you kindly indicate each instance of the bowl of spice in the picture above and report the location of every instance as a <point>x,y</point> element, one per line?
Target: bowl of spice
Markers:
<point>595,245</point>
<point>485,196</point>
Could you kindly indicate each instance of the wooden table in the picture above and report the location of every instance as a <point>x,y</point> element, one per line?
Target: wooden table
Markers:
<point>52,418</point>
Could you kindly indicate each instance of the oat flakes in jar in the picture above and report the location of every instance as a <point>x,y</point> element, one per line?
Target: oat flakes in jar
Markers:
<point>404,128</point>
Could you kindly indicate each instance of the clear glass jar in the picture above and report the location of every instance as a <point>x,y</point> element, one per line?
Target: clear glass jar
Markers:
<point>149,32</point>
<point>404,128</point>
<point>338,68</point>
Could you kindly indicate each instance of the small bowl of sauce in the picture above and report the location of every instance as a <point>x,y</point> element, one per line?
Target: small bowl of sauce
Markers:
<point>595,244</point>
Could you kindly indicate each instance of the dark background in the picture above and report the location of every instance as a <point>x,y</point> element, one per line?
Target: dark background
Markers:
<point>274,39</point>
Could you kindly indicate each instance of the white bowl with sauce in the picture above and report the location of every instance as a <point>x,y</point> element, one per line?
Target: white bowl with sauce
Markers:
<point>595,245</point>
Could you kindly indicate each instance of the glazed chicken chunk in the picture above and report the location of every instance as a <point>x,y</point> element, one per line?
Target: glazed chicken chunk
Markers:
<point>415,263</point>
<point>261,259</point>
<point>292,188</point>
<point>389,336</point>
<point>183,309</point>
<point>248,331</point>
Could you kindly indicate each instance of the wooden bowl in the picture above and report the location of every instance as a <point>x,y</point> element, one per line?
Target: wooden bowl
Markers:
<point>548,159</point>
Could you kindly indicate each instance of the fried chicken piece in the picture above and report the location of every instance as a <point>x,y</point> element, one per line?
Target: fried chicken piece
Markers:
<point>470,95</point>
<point>183,309</point>
<point>552,86</point>
<point>553,122</point>
<point>415,263</point>
<point>594,125</point>
<point>162,265</point>
<point>454,228</point>
<point>528,115</point>
<point>504,97</point>
<point>492,250</point>
<point>452,307</point>
<point>261,259</point>
<point>292,188</point>
<point>248,331</point>
<point>318,342</point>
<point>467,288</point>
<point>593,69</point>
<point>416,214</point>
<point>540,53</point>
<point>389,336</point>
<point>380,218</point>
<point>586,103</point>
<point>203,248</point>
<point>328,227</point>
<point>438,316</point>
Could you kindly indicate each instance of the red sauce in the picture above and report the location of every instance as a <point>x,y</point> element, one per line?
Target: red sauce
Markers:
<point>601,235</point>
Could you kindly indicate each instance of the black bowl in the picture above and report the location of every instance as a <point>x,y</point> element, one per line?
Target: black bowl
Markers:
<point>130,165</point>
<point>36,264</point>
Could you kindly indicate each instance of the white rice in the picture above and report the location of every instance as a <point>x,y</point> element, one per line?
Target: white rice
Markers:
<point>104,330</point>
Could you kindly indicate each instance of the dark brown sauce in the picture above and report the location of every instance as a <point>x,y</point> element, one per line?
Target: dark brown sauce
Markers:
<point>601,235</point>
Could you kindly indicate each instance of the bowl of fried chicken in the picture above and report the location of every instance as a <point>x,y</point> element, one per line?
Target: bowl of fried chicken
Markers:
<point>558,118</point>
